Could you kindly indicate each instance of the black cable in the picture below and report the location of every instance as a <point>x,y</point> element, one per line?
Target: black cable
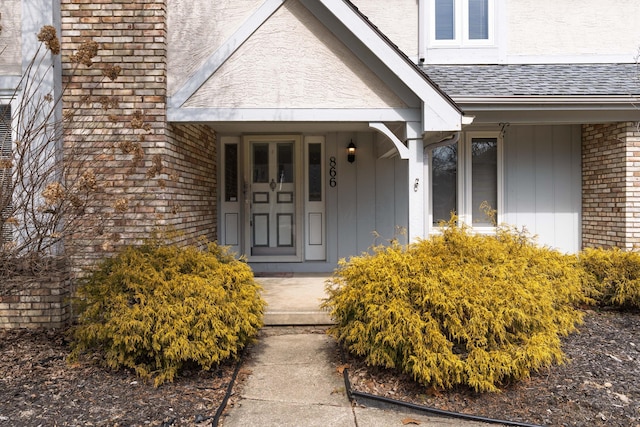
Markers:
<point>353,394</point>
<point>437,411</point>
<point>223,405</point>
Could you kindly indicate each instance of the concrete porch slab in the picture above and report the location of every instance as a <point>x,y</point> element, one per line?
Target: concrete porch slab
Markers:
<point>294,299</point>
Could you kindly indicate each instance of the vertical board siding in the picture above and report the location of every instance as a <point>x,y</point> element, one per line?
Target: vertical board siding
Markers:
<point>347,207</point>
<point>542,183</point>
<point>370,196</point>
<point>366,212</point>
<point>545,177</point>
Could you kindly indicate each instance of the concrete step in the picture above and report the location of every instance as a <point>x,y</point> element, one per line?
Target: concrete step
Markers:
<point>294,299</point>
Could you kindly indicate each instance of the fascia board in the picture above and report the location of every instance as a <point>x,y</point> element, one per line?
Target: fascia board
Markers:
<point>291,115</point>
<point>587,102</point>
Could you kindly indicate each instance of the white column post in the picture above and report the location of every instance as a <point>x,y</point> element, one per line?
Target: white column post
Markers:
<point>416,181</point>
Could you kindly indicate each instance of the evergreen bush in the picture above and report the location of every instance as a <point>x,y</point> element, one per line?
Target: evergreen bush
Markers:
<point>156,307</point>
<point>612,277</point>
<point>457,309</point>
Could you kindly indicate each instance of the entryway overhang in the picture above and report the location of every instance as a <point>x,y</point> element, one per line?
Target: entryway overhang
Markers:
<point>408,94</point>
<point>297,66</point>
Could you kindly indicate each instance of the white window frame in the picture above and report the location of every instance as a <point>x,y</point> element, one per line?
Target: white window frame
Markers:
<point>465,182</point>
<point>461,39</point>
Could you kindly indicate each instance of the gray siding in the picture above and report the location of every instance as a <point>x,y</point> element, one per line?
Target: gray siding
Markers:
<point>542,183</point>
<point>370,195</point>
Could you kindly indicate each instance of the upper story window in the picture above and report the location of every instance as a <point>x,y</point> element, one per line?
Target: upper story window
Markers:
<point>461,22</point>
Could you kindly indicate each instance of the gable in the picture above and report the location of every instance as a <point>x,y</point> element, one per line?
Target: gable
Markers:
<point>302,60</point>
<point>293,60</point>
<point>196,29</point>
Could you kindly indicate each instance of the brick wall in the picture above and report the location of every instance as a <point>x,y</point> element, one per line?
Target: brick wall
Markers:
<point>191,152</point>
<point>170,181</point>
<point>40,303</point>
<point>611,185</point>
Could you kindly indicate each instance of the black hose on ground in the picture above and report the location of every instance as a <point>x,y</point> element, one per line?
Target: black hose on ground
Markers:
<point>227,395</point>
<point>354,394</point>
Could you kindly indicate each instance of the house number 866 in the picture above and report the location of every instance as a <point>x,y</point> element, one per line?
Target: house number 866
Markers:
<point>332,172</point>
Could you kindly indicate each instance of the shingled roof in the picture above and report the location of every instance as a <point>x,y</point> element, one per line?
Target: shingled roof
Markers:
<point>536,79</point>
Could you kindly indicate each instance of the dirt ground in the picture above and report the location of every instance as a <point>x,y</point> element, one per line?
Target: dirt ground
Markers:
<point>600,386</point>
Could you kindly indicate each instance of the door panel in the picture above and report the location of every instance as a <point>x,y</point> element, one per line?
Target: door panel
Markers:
<point>273,206</point>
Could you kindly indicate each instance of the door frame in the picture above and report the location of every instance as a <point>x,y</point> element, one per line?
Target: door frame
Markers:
<point>247,141</point>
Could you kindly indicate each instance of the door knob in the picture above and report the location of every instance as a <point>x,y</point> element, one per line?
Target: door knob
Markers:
<point>272,184</point>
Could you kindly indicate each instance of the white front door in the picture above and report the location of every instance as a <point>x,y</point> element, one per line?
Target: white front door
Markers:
<point>273,219</point>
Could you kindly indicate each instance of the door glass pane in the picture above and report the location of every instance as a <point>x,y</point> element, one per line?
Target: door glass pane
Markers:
<point>478,19</point>
<point>315,173</point>
<point>285,162</point>
<point>231,172</point>
<point>484,173</point>
<point>260,163</point>
<point>444,164</point>
<point>445,19</point>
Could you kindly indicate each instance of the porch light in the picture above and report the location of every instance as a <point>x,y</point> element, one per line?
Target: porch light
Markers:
<point>351,152</point>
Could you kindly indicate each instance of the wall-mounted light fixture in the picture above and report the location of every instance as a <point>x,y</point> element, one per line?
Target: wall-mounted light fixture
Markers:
<point>351,152</point>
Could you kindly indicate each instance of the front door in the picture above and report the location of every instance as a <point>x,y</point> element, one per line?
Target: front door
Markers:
<point>272,197</point>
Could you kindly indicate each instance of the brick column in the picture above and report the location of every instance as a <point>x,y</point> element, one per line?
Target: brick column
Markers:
<point>153,174</point>
<point>611,185</point>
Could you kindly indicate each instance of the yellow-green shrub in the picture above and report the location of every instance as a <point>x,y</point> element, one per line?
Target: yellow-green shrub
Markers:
<point>458,308</point>
<point>612,277</point>
<point>155,307</point>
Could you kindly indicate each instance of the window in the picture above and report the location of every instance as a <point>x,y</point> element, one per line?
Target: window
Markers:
<point>465,177</point>
<point>462,22</point>
<point>230,172</point>
<point>315,172</point>
<point>5,172</point>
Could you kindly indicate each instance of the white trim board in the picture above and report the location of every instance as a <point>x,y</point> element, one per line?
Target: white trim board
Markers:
<point>294,115</point>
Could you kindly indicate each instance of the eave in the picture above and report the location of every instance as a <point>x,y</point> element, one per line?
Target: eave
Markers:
<point>551,109</point>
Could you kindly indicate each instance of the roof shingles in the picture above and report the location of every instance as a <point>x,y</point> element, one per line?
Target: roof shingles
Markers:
<point>536,79</point>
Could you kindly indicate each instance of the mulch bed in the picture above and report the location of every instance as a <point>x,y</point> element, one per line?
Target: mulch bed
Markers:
<point>38,387</point>
<point>599,387</point>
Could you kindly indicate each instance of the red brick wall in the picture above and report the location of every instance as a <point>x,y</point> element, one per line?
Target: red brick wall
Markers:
<point>611,185</point>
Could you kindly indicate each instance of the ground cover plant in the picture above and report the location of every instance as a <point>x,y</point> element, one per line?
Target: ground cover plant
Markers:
<point>157,308</point>
<point>458,308</point>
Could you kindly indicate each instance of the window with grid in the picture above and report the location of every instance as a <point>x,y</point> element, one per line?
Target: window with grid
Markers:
<point>462,22</point>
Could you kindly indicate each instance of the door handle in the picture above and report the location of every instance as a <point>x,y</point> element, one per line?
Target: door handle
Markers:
<point>273,184</point>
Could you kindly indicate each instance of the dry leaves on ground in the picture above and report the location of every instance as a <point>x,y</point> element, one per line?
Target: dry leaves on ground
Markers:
<point>599,386</point>
<point>38,387</point>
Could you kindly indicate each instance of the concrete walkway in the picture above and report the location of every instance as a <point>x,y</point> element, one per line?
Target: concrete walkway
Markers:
<point>293,378</point>
<point>294,299</point>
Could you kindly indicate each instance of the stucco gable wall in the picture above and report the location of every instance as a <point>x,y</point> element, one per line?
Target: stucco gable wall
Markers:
<point>397,19</point>
<point>552,27</point>
<point>10,37</point>
<point>294,61</point>
<point>194,32</point>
